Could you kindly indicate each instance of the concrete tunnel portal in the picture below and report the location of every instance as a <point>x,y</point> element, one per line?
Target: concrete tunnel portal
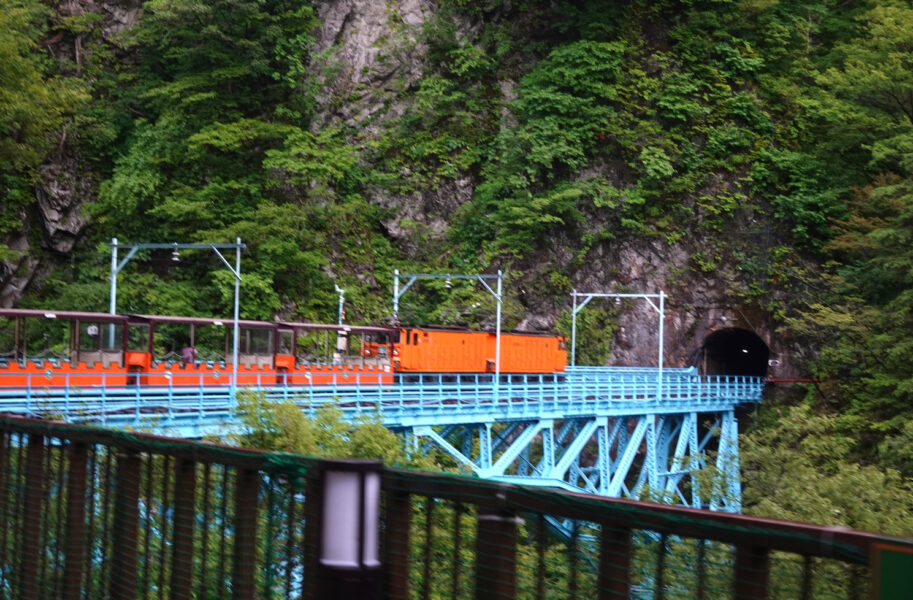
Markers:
<point>734,351</point>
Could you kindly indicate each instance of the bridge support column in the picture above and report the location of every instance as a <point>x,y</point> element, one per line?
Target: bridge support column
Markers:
<point>604,460</point>
<point>727,494</point>
<point>695,463</point>
<point>485,446</point>
<point>653,441</point>
<point>733,480</point>
<point>548,450</point>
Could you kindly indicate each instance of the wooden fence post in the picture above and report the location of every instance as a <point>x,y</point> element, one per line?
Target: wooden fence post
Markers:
<point>496,556</point>
<point>752,567</point>
<point>182,552</point>
<point>75,567</point>
<point>31,518</point>
<point>398,520</point>
<point>126,524</point>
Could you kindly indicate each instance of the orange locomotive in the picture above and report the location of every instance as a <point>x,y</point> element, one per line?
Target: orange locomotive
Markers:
<point>80,349</point>
<point>433,350</point>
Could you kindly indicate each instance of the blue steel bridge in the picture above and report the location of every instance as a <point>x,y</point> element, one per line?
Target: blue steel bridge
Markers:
<point>611,431</point>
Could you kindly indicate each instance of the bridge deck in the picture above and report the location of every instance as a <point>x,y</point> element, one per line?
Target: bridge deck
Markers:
<point>437,399</point>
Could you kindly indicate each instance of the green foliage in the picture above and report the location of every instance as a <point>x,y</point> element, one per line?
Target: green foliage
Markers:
<point>34,103</point>
<point>223,151</point>
<point>323,432</point>
<point>796,185</point>
<point>803,470</point>
<point>867,96</point>
<point>452,112</point>
<point>322,160</point>
<point>564,102</point>
<point>596,328</point>
<point>677,98</point>
<point>524,222</point>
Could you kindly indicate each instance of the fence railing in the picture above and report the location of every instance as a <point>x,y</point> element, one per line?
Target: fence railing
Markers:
<point>89,513</point>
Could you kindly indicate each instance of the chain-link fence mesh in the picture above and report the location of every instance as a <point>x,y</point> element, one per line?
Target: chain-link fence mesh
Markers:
<point>94,514</point>
<point>86,513</point>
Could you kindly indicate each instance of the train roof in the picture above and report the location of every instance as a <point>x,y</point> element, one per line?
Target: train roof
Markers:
<point>247,323</point>
<point>343,328</point>
<point>203,321</point>
<point>458,329</point>
<point>61,314</point>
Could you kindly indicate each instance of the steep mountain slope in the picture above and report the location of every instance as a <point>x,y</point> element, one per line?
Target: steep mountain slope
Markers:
<point>749,158</point>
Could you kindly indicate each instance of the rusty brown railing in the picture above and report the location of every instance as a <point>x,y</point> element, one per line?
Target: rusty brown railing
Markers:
<point>486,540</point>
<point>87,513</point>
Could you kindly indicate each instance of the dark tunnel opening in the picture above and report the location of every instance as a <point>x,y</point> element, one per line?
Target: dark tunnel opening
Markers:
<point>734,351</point>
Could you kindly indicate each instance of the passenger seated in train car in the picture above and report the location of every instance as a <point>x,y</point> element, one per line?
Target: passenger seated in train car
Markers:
<point>188,355</point>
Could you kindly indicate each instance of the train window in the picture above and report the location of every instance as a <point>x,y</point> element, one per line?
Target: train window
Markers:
<point>45,337</point>
<point>285,341</point>
<point>138,337</point>
<point>562,344</point>
<point>88,336</point>
<point>394,338</point>
<point>355,344</point>
<point>112,336</point>
<point>7,337</point>
<point>257,341</point>
<point>415,338</point>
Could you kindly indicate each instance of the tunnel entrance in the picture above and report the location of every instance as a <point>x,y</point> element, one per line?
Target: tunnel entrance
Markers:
<point>734,351</point>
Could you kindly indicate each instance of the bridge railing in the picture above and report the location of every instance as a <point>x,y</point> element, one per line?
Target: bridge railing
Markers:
<point>613,385</point>
<point>193,396</point>
<point>88,514</point>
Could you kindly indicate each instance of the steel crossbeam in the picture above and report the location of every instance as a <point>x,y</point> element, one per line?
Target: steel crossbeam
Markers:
<point>572,452</point>
<point>520,443</point>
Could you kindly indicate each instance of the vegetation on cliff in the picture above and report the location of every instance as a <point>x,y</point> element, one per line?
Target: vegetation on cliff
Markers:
<point>771,140</point>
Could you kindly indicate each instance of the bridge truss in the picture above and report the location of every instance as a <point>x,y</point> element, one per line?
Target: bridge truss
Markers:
<point>650,456</point>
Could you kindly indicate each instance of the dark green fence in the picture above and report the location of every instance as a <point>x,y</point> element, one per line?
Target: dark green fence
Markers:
<point>87,513</point>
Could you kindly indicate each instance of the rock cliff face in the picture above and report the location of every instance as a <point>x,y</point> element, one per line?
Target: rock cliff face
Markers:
<point>369,57</point>
<point>64,186</point>
<point>373,55</point>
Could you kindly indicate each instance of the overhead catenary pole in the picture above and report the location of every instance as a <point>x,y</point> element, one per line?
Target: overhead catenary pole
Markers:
<point>573,327</point>
<point>498,296</point>
<point>113,303</point>
<point>660,308</point>
<point>662,319</point>
<point>237,332</point>
<point>342,300</point>
<point>498,335</point>
<point>112,308</point>
<point>396,294</point>
<point>174,247</point>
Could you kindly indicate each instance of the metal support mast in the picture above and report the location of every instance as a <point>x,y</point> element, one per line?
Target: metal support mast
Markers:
<point>498,296</point>
<point>660,309</point>
<point>175,247</point>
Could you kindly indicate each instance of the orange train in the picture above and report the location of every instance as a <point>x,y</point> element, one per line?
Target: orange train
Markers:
<point>54,348</point>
